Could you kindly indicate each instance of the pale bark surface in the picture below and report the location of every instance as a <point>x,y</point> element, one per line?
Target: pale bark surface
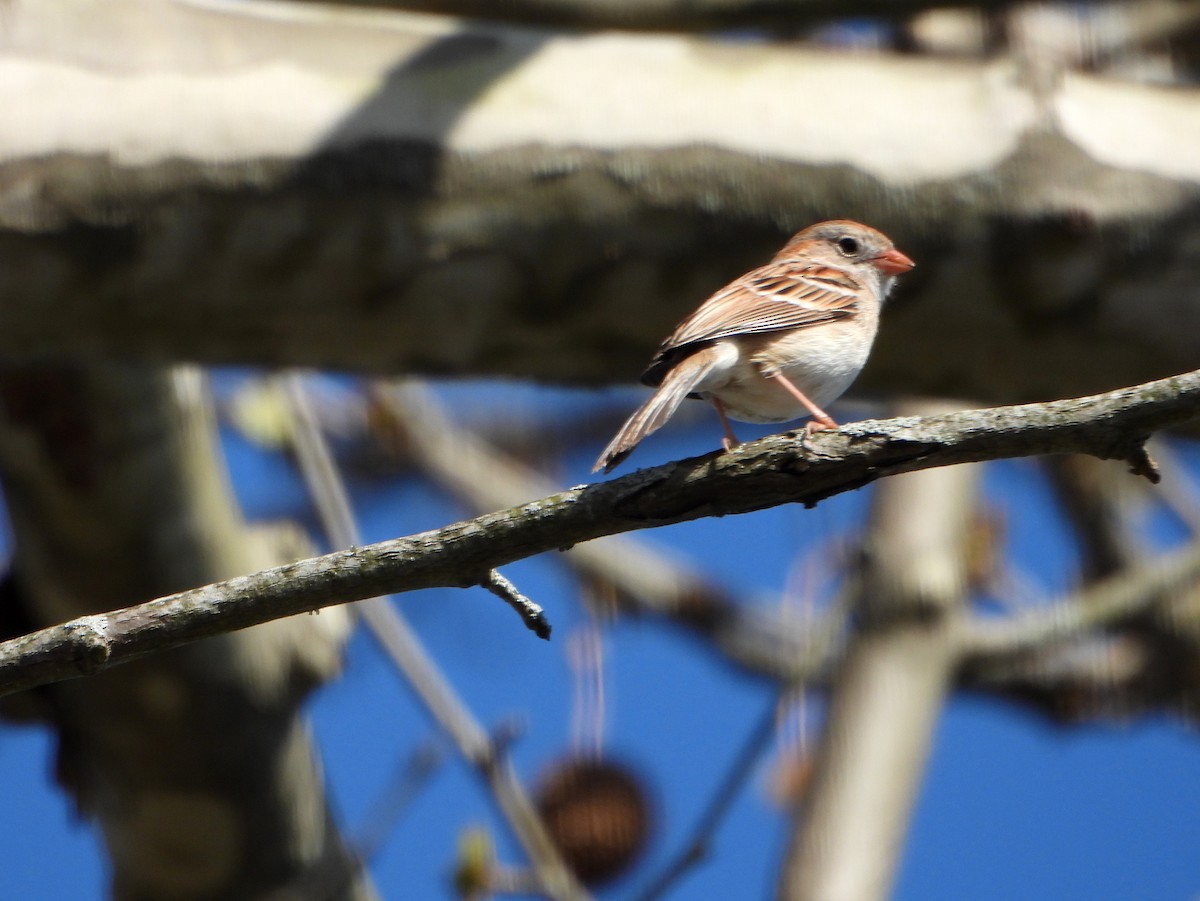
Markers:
<point>373,190</point>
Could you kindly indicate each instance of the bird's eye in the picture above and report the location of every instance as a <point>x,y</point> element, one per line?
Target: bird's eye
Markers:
<point>848,246</point>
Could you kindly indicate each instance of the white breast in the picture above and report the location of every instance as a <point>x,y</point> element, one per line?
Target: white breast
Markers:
<point>822,362</point>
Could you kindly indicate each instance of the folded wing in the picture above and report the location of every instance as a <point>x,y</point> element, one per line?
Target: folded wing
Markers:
<point>785,294</point>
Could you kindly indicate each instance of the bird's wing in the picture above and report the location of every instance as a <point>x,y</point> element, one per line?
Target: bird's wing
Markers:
<point>786,294</point>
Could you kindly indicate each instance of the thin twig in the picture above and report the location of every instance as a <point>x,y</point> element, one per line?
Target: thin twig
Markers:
<point>400,643</point>
<point>697,847</point>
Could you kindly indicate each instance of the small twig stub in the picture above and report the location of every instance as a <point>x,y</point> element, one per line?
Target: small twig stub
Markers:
<point>531,614</point>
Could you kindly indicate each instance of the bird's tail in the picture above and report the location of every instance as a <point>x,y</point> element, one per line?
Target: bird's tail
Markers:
<point>679,381</point>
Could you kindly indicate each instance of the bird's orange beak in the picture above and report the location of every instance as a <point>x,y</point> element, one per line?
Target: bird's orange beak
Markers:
<point>893,262</point>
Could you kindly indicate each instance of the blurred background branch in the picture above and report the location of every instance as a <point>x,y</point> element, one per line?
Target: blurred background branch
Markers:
<point>393,633</point>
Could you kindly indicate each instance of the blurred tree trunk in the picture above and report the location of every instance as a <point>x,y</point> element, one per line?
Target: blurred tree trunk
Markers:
<point>889,690</point>
<point>195,762</point>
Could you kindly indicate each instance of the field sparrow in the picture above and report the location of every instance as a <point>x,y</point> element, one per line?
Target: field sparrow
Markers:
<point>778,343</point>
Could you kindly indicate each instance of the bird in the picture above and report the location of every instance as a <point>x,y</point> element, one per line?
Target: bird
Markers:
<point>778,343</point>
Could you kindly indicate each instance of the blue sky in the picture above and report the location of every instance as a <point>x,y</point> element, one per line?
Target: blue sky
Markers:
<point>1012,807</point>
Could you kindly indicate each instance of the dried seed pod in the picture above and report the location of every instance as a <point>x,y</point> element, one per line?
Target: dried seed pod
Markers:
<point>598,814</point>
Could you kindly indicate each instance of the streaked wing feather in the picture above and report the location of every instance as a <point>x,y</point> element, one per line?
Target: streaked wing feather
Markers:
<point>781,295</point>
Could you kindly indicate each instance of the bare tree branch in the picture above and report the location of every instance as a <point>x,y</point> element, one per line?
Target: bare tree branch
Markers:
<point>1179,491</point>
<point>699,843</point>
<point>532,615</point>
<point>786,468</point>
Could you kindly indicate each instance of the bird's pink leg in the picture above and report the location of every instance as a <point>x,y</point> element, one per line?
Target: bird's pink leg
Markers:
<point>729,442</point>
<point>820,419</point>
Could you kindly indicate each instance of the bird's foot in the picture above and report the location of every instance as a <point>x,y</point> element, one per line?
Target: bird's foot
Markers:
<point>819,425</point>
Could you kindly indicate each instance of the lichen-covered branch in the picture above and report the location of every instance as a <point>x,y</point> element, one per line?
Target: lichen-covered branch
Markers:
<point>786,468</point>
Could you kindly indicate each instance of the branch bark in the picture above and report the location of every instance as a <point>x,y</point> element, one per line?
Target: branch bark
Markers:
<point>787,468</point>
